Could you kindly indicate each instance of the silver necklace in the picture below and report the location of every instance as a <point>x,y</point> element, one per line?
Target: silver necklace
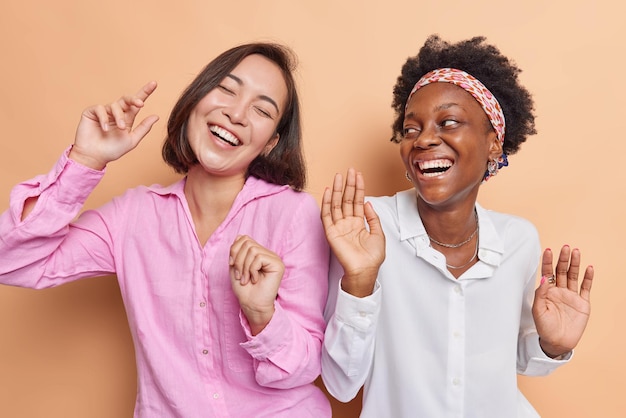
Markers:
<point>460,244</point>
<point>466,264</point>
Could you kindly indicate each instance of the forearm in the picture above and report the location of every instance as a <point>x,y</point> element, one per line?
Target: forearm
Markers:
<point>533,361</point>
<point>286,354</point>
<point>27,242</point>
<point>349,343</point>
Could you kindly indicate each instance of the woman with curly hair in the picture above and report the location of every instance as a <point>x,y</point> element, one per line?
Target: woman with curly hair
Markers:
<point>433,306</point>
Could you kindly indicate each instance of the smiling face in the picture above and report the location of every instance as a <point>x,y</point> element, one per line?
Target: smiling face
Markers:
<point>447,143</point>
<point>237,120</point>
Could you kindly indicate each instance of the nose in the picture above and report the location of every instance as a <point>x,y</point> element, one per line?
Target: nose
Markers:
<point>236,112</point>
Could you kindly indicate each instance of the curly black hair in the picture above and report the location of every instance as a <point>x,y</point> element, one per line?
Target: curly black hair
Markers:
<point>487,64</point>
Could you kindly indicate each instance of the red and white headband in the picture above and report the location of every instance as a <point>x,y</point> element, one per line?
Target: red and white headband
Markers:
<point>474,87</point>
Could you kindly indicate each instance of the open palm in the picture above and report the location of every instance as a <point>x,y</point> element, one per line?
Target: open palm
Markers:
<point>561,310</point>
<point>358,249</point>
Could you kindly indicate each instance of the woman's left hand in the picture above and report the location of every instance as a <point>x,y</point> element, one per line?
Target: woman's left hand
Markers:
<point>561,310</point>
<point>255,274</point>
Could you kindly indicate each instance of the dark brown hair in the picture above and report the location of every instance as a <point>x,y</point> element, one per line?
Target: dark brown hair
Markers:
<point>285,163</point>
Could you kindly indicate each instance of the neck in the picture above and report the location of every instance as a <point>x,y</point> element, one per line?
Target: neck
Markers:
<point>450,226</point>
<point>209,199</point>
<point>207,191</point>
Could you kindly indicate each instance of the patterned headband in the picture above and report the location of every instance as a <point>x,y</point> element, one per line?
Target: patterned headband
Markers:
<point>473,86</point>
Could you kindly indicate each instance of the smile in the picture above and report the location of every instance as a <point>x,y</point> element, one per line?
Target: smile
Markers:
<point>224,135</point>
<point>433,168</point>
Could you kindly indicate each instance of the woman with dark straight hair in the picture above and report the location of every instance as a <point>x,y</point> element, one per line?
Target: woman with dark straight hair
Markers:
<point>223,273</point>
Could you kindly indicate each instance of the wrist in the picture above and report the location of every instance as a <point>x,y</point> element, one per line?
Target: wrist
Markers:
<point>359,285</point>
<point>552,351</point>
<point>76,155</point>
<point>258,318</point>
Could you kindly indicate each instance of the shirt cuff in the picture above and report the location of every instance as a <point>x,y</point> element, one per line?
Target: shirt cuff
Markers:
<point>360,313</point>
<point>270,339</point>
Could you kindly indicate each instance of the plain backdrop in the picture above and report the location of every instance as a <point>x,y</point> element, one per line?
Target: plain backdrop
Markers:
<point>66,352</point>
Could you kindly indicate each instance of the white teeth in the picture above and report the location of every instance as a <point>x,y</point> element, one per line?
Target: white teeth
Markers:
<point>433,174</point>
<point>224,134</point>
<point>434,168</point>
<point>425,165</point>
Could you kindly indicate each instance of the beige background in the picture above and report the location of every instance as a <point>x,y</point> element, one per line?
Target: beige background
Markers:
<point>66,352</point>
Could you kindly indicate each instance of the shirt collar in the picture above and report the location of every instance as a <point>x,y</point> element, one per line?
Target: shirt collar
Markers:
<point>490,241</point>
<point>253,188</point>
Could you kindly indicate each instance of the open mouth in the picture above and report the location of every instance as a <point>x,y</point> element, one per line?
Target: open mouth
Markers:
<point>224,135</point>
<point>434,168</point>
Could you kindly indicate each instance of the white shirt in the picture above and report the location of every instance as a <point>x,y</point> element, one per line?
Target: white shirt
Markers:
<point>428,345</point>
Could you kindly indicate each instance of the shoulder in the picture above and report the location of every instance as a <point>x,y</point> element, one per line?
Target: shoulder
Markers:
<point>511,224</point>
<point>399,198</point>
<point>391,206</point>
<point>281,202</point>
<point>145,197</point>
<point>514,233</point>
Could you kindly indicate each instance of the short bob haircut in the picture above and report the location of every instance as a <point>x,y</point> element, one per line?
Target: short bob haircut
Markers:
<point>483,61</point>
<point>284,165</point>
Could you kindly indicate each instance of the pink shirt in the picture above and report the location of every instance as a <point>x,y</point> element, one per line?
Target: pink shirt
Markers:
<point>194,351</point>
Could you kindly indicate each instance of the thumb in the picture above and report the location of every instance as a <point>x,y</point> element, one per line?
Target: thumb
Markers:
<point>373,220</point>
<point>141,130</point>
<point>541,293</point>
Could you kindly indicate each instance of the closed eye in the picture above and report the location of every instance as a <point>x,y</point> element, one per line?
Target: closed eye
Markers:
<point>263,112</point>
<point>225,89</point>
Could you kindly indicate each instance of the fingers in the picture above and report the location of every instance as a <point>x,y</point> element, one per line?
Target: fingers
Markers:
<point>562,266</point>
<point>359,196</point>
<point>567,271</point>
<point>124,108</point>
<point>331,203</point>
<point>101,115</point>
<point>341,202</point>
<point>353,194</point>
<point>122,112</point>
<point>572,271</point>
<point>146,91</point>
<point>585,287</point>
<point>546,263</point>
<point>248,260</point>
<point>347,199</point>
<point>327,220</point>
<point>336,198</point>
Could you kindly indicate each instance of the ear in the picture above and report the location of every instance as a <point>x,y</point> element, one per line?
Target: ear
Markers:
<point>273,141</point>
<point>495,146</point>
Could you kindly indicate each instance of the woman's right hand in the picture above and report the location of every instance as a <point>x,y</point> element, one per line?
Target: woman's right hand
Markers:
<point>359,251</point>
<point>105,132</point>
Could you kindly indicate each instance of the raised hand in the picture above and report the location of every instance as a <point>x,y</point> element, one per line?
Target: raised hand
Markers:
<point>561,310</point>
<point>359,251</point>
<point>255,274</point>
<point>105,132</point>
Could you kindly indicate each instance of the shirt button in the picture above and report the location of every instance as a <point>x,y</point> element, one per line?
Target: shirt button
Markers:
<point>362,314</point>
<point>202,304</point>
<point>456,334</point>
<point>457,289</point>
<point>456,381</point>
<point>205,351</point>
<point>216,395</point>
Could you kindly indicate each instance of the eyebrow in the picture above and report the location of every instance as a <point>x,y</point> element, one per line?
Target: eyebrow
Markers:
<point>261,96</point>
<point>442,106</point>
